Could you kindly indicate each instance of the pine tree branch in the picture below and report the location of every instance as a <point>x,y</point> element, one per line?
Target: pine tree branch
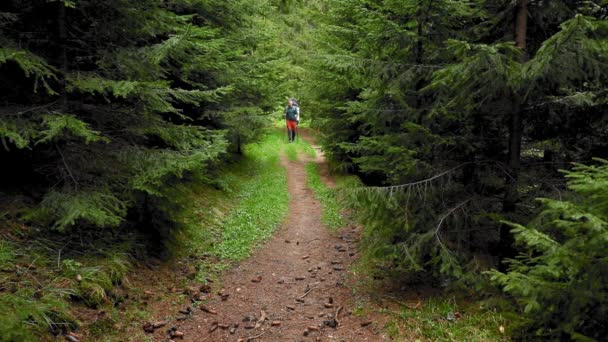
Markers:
<point>443,218</point>
<point>65,164</point>
<point>32,109</point>
<point>393,188</point>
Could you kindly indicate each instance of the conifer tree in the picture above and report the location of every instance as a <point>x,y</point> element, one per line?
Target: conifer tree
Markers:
<point>108,103</point>
<point>444,105</point>
<point>559,278</point>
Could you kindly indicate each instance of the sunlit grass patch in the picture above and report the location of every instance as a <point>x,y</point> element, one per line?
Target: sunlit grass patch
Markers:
<point>298,147</point>
<point>263,200</point>
<point>446,318</point>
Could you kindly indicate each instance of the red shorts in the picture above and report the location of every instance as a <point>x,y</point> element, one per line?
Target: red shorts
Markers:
<point>291,124</point>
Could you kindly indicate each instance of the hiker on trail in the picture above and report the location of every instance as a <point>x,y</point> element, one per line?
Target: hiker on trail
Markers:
<point>292,117</point>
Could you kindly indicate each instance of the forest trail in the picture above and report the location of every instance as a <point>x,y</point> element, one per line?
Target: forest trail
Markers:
<point>298,281</point>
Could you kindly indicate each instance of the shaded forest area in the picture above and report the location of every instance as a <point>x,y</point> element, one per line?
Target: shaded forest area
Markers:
<point>457,116</point>
<point>460,114</point>
<point>111,111</point>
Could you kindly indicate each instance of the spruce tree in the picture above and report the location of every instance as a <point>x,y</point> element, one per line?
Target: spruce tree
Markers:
<point>455,125</point>
<point>107,104</point>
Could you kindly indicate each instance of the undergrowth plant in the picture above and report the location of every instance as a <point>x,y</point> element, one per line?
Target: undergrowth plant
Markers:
<point>561,276</point>
<point>446,318</point>
<point>29,309</point>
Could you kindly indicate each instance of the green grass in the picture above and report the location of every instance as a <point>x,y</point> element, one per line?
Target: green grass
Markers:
<point>332,209</point>
<point>263,200</point>
<point>299,146</point>
<point>472,321</point>
<point>28,309</point>
<point>249,201</point>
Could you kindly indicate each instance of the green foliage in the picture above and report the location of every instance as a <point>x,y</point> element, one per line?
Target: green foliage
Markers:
<point>31,65</point>
<point>29,310</point>
<point>18,132</point>
<point>419,98</point>
<point>64,210</point>
<point>570,57</point>
<point>150,95</point>
<point>27,315</point>
<point>143,100</point>
<point>58,125</point>
<point>560,276</point>
<point>93,283</point>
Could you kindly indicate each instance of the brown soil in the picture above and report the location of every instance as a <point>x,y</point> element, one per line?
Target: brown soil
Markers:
<point>270,282</point>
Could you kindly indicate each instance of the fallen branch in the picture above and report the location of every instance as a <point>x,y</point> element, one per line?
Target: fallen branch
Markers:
<point>255,337</point>
<point>336,315</point>
<point>261,320</point>
<point>307,292</point>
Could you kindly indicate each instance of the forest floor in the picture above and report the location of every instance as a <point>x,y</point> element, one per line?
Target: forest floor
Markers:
<point>242,280</point>
<point>296,287</point>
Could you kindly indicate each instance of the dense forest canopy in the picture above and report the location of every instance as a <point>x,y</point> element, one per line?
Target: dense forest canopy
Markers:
<point>108,103</point>
<point>463,111</point>
<point>457,116</point>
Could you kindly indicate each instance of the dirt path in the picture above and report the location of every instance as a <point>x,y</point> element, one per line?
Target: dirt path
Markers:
<point>298,280</point>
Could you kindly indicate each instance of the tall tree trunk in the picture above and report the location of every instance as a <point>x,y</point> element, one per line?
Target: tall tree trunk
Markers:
<point>63,53</point>
<point>515,138</point>
<point>521,24</point>
<point>239,149</point>
<point>514,161</point>
<point>516,120</point>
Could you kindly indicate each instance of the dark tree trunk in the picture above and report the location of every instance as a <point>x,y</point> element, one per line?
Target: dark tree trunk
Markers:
<point>238,143</point>
<point>521,24</point>
<point>515,139</point>
<point>516,120</point>
<point>514,161</point>
<point>63,53</point>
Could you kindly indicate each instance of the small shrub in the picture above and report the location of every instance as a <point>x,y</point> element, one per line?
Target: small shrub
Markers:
<point>561,277</point>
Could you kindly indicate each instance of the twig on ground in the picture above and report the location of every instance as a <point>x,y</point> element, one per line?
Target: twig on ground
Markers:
<point>255,337</point>
<point>336,315</point>
<point>309,291</point>
<point>261,320</point>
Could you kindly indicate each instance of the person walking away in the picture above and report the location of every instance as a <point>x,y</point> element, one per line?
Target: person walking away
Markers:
<point>292,118</point>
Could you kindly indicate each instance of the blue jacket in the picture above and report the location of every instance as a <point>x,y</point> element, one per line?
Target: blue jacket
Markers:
<point>292,113</point>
